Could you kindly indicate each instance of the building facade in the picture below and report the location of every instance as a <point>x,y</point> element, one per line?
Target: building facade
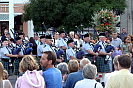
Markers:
<point>127,17</point>
<point>18,25</point>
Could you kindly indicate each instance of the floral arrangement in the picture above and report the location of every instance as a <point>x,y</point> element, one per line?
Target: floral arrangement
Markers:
<point>104,21</point>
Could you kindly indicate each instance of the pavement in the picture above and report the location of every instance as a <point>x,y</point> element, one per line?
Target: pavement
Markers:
<point>13,80</point>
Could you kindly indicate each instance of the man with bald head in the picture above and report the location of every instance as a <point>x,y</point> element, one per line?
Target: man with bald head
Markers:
<point>75,76</point>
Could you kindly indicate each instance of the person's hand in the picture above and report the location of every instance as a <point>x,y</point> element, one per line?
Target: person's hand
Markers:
<point>64,77</point>
<point>109,54</point>
<point>58,60</point>
<point>96,54</point>
<point>61,58</point>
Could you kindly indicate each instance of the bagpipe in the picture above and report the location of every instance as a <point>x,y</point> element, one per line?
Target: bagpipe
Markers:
<point>29,48</point>
<point>60,53</point>
<point>16,51</point>
<point>14,33</point>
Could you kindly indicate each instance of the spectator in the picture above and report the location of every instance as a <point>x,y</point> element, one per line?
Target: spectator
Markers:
<point>63,67</point>
<point>36,37</point>
<point>4,36</point>
<point>52,75</point>
<point>115,62</point>
<point>89,74</point>
<point>75,76</point>
<point>55,39</point>
<point>73,66</point>
<point>126,46</point>
<point>3,83</point>
<point>78,40</point>
<point>122,79</point>
<point>123,34</point>
<point>71,35</point>
<point>31,78</point>
<point>115,40</point>
<point>31,40</point>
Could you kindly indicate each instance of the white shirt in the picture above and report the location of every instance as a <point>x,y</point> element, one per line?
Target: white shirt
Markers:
<point>87,83</point>
<point>107,75</point>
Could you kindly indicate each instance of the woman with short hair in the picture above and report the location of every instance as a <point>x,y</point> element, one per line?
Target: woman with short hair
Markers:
<point>73,66</point>
<point>89,74</point>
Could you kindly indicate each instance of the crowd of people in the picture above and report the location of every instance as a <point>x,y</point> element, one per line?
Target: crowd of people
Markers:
<point>67,61</point>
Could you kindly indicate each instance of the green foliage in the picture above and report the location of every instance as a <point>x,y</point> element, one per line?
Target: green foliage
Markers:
<point>104,21</point>
<point>67,13</point>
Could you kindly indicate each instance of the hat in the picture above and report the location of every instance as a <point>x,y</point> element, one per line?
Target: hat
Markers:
<point>4,40</point>
<point>102,34</point>
<point>61,32</point>
<point>87,35</point>
<point>20,33</point>
<point>48,37</point>
<point>18,38</point>
<point>42,37</point>
<point>8,33</point>
<point>69,41</point>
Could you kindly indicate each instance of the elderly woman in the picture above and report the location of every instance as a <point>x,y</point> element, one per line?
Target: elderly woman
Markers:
<point>31,77</point>
<point>73,66</point>
<point>89,74</point>
<point>63,67</point>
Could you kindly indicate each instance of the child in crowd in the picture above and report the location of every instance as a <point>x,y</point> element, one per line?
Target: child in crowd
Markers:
<point>117,51</point>
<point>31,78</point>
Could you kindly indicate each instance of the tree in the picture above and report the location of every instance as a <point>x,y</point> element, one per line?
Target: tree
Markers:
<point>67,13</point>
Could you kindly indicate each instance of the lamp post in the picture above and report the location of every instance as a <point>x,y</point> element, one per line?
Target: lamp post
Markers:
<point>11,17</point>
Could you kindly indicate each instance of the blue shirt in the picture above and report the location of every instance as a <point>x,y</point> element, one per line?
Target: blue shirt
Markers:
<point>39,49</point>
<point>86,47</point>
<point>61,42</point>
<point>47,48</point>
<point>123,35</point>
<point>53,78</point>
<point>70,52</point>
<point>73,78</point>
<point>5,51</point>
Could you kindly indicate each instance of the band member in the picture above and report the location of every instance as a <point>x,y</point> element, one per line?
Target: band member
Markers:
<point>88,48</point>
<point>70,52</point>
<point>19,45</point>
<point>61,42</point>
<point>101,62</point>
<point>6,55</point>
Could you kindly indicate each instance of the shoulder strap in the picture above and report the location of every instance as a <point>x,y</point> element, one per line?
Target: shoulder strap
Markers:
<point>95,85</point>
<point>3,83</point>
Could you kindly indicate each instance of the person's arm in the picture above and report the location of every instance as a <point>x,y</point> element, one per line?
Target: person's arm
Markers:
<point>74,58</point>
<point>63,47</point>
<point>103,53</point>
<point>10,55</point>
<point>91,52</point>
